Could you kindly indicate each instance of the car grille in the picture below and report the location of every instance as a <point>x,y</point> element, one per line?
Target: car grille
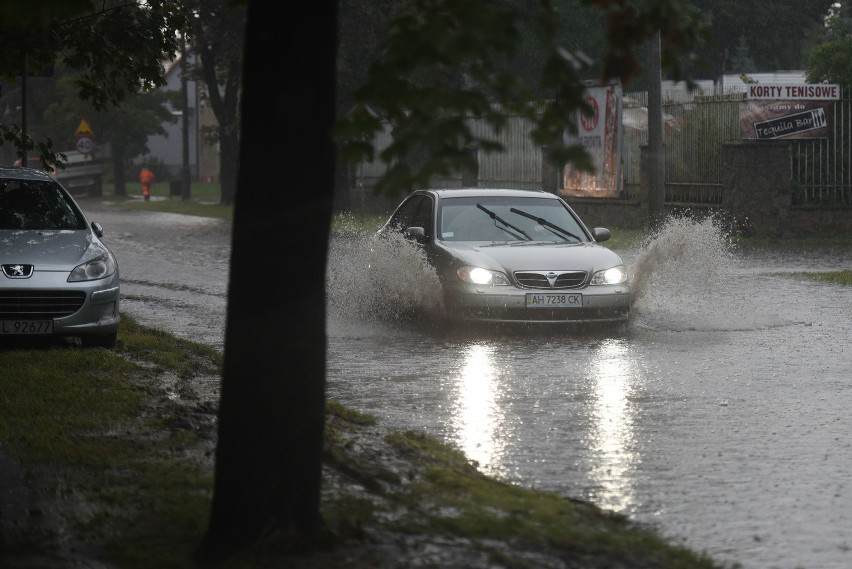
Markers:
<point>37,304</point>
<point>539,279</point>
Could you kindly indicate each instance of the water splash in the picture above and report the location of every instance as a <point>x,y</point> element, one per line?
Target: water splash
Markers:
<point>684,278</point>
<point>384,279</point>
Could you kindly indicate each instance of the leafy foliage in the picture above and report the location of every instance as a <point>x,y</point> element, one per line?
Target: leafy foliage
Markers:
<point>444,62</point>
<point>778,31</point>
<point>117,48</point>
<point>831,62</point>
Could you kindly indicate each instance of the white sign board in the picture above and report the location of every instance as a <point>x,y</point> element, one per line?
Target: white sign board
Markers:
<point>85,145</point>
<point>800,92</point>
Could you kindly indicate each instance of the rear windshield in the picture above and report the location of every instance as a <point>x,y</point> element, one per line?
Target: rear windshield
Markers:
<point>489,218</point>
<point>37,204</point>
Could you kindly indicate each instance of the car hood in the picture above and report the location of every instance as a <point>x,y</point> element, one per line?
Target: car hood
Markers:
<point>536,256</point>
<point>49,250</point>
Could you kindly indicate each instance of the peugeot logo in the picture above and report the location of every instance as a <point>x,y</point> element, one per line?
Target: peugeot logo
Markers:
<point>18,271</point>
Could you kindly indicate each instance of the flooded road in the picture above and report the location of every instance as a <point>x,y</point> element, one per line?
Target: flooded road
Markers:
<point>174,269</point>
<point>720,414</point>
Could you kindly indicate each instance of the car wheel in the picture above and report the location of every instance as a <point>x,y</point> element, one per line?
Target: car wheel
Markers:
<point>99,340</point>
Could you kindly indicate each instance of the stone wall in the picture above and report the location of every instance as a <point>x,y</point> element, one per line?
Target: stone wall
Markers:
<point>758,192</point>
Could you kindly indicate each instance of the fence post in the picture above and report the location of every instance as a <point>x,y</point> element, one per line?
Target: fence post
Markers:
<point>656,159</point>
<point>551,174</point>
<point>470,175</point>
<point>643,195</point>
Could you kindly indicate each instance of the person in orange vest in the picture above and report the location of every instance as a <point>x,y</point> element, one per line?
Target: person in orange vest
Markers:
<point>146,178</point>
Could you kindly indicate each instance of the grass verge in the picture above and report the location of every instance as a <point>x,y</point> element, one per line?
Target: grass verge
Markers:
<point>204,200</point>
<point>843,277</point>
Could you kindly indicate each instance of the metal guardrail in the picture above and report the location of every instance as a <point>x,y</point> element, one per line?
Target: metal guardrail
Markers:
<point>81,174</point>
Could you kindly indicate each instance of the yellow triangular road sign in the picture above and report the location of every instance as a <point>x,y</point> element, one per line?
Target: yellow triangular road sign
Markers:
<point>83,129</point>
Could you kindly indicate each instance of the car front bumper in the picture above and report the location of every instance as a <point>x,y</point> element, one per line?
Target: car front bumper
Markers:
<point>97,314</point>
<point>508,304</point>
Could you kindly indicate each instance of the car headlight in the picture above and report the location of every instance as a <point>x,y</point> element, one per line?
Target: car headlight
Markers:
<point>98,268</point>
<point>480,276</point>
<point>613,276</point>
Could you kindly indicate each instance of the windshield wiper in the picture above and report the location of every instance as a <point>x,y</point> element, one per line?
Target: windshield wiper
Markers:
<point>555,229</point>
<point>496,217</point>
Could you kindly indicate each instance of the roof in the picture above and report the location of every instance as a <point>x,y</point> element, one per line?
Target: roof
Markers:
<point>738,82</point>
<point>24,174</point>
<point>473,192</point>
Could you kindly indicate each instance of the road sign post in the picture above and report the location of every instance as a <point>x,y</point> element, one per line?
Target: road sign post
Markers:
<point>85,138</point>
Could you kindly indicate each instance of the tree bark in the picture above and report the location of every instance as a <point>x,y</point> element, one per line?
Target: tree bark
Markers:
<point>219,34</point>
<point>118,160</point>
<point>229,146</point>
<point>272,410</point>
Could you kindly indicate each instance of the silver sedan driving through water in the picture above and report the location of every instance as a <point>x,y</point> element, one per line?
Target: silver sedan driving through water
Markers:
<point>514,256</point>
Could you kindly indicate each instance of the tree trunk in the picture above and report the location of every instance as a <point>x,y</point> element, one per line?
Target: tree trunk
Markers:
<point>118,160</point>
<point>220,32</point>
<point>229,146</point>
<point>272,411</point>
<point>343,180</point>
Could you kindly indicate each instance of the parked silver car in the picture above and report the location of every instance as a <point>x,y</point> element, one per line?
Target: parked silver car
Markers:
<point>58,278</point>
<point>514,256</point>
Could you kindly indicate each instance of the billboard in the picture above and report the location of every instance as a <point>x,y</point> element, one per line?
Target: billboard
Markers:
<point>600,134</point>
<point>787,111</point>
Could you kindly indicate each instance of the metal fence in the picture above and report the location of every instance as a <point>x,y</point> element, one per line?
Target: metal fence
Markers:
<point>695,132</point>
<point>518,166</point>
<point>821,166</point>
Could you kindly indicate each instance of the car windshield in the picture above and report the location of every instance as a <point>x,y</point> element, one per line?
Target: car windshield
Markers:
<point>502,219</point>
<point>36,204</point>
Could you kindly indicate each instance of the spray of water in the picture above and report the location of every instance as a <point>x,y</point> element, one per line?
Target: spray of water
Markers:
<point>385,279</point>
<point>683,276</point>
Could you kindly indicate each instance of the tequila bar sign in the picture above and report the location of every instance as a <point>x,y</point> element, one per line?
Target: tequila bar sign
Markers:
<point>787,111</point>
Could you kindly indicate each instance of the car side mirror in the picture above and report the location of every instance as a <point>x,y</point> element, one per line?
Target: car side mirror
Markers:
<point>96,227</point>
<point>601,234</point>
<point>416,234</point>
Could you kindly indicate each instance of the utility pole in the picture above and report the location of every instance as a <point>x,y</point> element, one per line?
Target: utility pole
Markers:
<point>184,88</point>
<point>24,150</point>
<point>656,150</point>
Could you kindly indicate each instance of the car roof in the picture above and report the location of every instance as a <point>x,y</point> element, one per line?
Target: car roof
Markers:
<point>19,173</point>
<point>473,192</point>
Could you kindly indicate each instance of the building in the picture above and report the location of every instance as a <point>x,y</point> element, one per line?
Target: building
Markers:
<point>166,151</point>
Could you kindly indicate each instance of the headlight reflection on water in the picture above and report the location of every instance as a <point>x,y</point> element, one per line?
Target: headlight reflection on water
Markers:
<point>612,436</point>
<point>477,417</point>
<point>479,421</point>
